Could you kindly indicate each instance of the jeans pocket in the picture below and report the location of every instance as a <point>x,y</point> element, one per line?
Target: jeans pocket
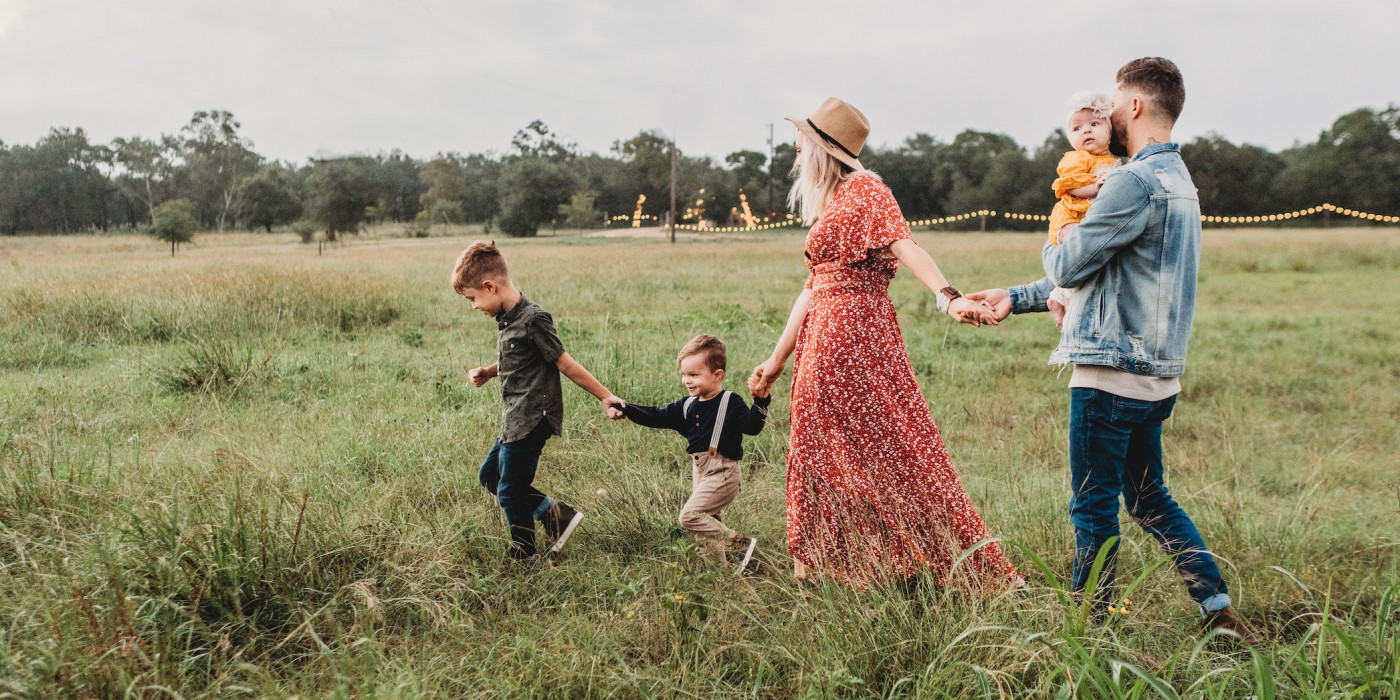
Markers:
<point>1133,410</point>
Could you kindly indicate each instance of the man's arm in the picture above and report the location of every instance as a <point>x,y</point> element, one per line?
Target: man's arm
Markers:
<point>1118,217</point>
<point>1032,296</point>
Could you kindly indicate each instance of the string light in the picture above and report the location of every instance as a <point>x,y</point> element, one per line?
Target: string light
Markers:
<point>793,220</point>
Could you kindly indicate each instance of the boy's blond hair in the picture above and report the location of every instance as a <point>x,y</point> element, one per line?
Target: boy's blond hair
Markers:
<point>479,262</point>
<point>709,346</point>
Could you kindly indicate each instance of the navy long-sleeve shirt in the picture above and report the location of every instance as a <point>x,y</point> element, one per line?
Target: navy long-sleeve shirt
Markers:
<point>699,427</point>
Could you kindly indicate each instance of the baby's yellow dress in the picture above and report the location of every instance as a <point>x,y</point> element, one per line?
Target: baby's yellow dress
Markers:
<point>1076,170</point>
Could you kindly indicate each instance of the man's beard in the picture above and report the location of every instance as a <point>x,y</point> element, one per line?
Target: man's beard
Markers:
<point>1117,142</point>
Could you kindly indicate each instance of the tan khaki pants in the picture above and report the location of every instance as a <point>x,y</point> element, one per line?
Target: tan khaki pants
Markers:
<point>715,484</point>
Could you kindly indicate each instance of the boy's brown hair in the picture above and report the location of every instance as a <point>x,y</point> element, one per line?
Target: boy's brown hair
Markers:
<point>709,346</point>
<point>1160,80</point>
<point>478,263</point>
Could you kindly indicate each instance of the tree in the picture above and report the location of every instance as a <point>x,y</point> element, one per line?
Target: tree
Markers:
<point>537,141</point>
<point>268,198</point>
<point>174,221</point>
<point>648,157</point>
<point>481,197</point>
<point>1231,180</point>
<point>579,212</point>
<point>146,167</point>
<point>1356,163</point>
<point>442,202</point>
<point>216,158</point>
<point>917,173</point>
<point>339,192</point>
<point>397,186</point>
<point>531,191</point>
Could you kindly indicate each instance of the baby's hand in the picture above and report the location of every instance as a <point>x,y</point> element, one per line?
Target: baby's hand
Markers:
<point>759,390</point>
<point>612,406</point>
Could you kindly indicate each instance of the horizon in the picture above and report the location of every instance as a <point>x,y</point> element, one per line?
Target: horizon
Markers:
<point>437,77</point>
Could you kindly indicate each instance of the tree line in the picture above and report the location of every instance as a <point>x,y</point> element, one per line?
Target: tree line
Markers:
<point>209,169</point>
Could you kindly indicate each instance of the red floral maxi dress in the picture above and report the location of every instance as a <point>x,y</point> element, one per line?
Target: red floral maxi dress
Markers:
<point>871,493</point>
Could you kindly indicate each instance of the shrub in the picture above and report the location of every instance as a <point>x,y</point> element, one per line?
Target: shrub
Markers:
<point>306,229</point>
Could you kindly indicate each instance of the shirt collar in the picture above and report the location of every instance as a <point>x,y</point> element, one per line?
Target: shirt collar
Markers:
<point>1155,148</point>
<point>505,318</point>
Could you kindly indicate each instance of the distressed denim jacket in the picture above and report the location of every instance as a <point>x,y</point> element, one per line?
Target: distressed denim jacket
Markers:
<point>1133,259</point>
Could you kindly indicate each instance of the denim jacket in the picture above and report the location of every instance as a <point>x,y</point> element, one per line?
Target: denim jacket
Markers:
<point>1133,259</point>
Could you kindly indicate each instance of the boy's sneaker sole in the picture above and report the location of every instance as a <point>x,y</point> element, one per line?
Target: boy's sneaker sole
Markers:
<point>748,556</point>
<point>568,530</point>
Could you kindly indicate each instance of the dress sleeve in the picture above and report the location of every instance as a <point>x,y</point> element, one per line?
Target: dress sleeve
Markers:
<point>868,220</point>
<point>1076,169</point>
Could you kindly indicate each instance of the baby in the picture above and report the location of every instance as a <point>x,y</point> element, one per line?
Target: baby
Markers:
<point>1081,173</point>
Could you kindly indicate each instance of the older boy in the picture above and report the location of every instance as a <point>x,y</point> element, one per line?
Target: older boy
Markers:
<point>714,422</point>
<point>530,358</point>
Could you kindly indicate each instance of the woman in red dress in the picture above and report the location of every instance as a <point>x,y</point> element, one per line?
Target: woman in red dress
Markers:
<point>872,496</point>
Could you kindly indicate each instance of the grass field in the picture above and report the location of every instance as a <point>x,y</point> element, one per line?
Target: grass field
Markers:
<point>250,470</point>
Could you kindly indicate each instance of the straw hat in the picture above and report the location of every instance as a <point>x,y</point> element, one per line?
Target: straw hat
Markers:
<point>838,128</point>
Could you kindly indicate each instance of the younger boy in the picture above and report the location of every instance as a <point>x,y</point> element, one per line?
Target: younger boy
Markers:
<point>712,420</point>
<point>530,358</point>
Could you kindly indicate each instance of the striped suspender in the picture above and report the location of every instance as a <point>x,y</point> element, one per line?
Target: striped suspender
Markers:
<point>719,422</point>
<point>719,418</point>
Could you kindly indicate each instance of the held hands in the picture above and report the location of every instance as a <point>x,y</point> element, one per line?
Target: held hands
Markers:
<point>761,381</point>
<point>612,406</point>
<point>481,375</point>
<point>998,299</point>
<point>973,311</point>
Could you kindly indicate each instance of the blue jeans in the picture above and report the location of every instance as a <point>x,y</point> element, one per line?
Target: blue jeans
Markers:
<point>509,472</point>
<point>1115,447</point>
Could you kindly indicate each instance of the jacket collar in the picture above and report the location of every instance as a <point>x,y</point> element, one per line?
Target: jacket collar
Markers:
<point>1154,149</point>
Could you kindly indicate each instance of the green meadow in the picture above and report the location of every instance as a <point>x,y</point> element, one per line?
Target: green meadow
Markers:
<point>249,470</point>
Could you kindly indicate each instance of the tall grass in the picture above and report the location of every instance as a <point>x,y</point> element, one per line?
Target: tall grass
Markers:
<point>251,470</point>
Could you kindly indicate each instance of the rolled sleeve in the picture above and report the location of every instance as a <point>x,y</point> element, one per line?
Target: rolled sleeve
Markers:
<point>1032,296</point>
<point>545,339</point>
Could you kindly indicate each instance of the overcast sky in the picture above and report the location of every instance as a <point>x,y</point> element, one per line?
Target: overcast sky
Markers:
<point>343,76</point>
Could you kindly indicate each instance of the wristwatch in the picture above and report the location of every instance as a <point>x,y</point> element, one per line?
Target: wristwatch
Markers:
<point>946,296</point>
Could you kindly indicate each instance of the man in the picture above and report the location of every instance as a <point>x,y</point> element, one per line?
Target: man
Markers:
<point>1134,260</point>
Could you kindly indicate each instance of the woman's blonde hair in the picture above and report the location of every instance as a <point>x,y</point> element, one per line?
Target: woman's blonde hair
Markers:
<point>817,174</point>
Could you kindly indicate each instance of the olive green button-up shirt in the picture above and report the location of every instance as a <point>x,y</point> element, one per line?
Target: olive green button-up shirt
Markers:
<point>526,356</point>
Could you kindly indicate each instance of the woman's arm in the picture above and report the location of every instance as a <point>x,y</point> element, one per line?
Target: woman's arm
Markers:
<point>918,262</point>
<point>765,374</point>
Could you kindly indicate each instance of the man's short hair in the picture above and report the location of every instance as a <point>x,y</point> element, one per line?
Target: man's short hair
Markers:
<point>1160,80</point>
<point>709,346</point>
<point>478,263</point>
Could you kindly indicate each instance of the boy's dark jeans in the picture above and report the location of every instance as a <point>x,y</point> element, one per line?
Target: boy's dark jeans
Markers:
<point>509,472</point>
<point>1115,447</point>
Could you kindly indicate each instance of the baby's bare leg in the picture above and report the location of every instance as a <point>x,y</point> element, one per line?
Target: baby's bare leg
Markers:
<point>1065,232</point>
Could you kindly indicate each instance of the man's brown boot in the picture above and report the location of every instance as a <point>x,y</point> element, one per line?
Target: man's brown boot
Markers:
<point>1225,619</point>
